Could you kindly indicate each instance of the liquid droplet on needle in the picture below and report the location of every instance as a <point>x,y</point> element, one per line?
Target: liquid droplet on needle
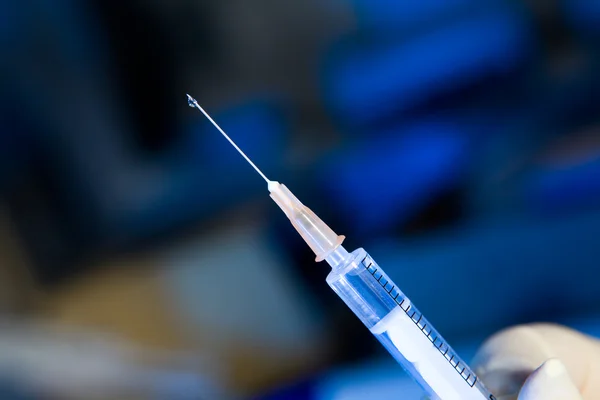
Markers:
<point>191,101</point>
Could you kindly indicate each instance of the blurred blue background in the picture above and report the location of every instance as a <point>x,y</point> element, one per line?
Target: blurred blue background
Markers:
<point>457,141</point>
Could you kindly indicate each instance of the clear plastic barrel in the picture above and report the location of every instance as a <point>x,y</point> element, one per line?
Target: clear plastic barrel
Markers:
<point>403,330</point>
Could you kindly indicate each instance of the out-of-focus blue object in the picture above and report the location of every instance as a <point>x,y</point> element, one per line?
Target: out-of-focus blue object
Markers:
<point>489,275</point>
<point>374,82</point>
<point>583,14</point>
<point>383,181</point>
<point>561,187</point>
<point>9,23</point>
<point>395,15</point>
<point>305,390</point>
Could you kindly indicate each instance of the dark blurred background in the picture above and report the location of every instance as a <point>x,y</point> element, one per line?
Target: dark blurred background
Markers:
<point>457,141</point>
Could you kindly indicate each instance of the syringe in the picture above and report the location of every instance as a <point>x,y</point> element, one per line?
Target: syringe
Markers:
<point>378,302</point>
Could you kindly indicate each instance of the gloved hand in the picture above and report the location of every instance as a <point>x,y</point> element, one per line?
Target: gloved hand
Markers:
<point>540,362</point>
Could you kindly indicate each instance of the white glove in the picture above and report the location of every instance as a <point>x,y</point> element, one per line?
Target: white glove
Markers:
<point>540,362</point>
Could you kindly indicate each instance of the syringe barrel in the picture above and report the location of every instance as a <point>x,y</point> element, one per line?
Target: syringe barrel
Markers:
<point>403,330</point>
